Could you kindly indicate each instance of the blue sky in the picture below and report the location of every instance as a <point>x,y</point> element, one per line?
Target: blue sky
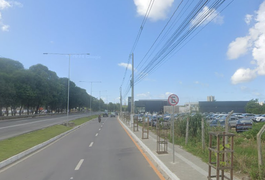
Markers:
<point>226,59</point>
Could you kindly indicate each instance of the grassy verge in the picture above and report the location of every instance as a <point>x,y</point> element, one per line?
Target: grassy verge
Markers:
<point>245,152</point>
<point>245,148</point>
<point>12,146</point>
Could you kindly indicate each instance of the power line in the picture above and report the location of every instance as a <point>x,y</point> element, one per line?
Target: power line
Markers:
<point>138,37</point>
<point>180,36</point>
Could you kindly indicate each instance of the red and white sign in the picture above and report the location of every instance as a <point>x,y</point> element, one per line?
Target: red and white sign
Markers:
<point>173,99</point>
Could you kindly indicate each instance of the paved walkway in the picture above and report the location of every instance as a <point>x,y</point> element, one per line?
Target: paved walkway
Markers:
<point>186,166</point>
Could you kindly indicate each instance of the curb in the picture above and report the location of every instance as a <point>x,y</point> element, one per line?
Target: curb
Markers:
<point>25,153</point>
<point>154,157</point>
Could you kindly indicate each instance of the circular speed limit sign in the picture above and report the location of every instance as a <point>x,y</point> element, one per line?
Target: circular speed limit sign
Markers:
<point>173,99</point>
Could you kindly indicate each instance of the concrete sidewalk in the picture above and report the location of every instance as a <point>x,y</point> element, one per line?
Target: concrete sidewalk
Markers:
<point>186,166</point>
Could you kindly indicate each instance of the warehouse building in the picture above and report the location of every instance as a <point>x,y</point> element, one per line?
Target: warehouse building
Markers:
<point>222,106</point>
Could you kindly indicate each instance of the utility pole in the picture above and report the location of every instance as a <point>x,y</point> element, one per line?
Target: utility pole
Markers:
<point>132,84</point>
<point>68,88</point>
<point>120,102</point>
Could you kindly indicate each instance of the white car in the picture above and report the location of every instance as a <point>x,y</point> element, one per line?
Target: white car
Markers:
<point>260,118</point>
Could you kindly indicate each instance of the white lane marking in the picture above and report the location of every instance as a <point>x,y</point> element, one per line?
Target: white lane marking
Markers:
<point>97,134</point>
<point>79,164</point>
<point>91,144</point>
<point>99,129</point>
<point>72,178</point>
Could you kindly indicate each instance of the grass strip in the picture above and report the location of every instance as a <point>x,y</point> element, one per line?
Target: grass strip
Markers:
<point>15,145</point>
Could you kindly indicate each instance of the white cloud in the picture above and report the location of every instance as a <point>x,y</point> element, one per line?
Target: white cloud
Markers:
<point>158,11</point>
<point>218,74</point>
<point>243,75</point>
<point>254,42</point>
<point>207,15</point>
<point>5,28</point>
<point>258,54</point>
<point>248,18</point>
<point>238,47</point>
<point>125,65</point>
<point>144,95</point>
<point>4,4</point>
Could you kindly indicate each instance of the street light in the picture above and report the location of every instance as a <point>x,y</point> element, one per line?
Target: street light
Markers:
<point>91,92</point>
<point>69,54</point>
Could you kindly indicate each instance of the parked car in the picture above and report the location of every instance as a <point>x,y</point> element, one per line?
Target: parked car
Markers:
<point>217,123</point>
<point>259,118</point>
<point>243,125</point>
<point>248,116</point>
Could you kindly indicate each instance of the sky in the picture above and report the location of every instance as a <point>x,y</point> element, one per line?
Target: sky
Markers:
<point>224,57</point>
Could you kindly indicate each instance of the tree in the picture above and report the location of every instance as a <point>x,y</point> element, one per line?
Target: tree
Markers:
<point>7,90</point>
<point>254,107</point>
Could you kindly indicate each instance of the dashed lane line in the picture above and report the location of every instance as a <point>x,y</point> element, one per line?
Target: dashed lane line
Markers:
<point>91,144</point>
<point>79,164</point>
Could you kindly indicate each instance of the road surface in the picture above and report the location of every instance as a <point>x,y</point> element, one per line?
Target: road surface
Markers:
<point>14,127</point>
<point>95,151</point>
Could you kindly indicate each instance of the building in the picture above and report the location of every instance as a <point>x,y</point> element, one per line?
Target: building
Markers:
<point>210,98</point>
<point>222,106</point>
<point>151,106</point>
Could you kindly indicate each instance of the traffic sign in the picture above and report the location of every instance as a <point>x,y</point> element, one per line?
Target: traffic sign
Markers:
<point>173,99</point>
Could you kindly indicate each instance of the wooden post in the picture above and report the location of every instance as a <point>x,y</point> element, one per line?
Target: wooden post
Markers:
<point>187,131</point>
<point>260,149</point>
<point>203,133</point>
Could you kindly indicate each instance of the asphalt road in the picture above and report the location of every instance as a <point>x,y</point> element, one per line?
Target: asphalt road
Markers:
<point>14,127</point>
<point>95,151</point>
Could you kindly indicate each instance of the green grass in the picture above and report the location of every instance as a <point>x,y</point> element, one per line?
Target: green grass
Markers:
<point>12,146</point>
<point>245,152</point>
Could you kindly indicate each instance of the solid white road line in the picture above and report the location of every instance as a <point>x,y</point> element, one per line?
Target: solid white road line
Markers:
<point>91,144</point>
<point>79,164</point>
<point>97,134</point>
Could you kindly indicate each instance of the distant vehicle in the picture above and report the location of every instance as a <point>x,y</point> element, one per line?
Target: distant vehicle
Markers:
<point>243,125</point>
<point>248,116</point>
<point>259,118</point>
<point>112,114</point>
<point>217,123</point>
<point>105,114</point>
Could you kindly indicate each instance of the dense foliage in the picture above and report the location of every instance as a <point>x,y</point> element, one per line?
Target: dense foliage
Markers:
<point>254,107</point>
<point>37,87</point>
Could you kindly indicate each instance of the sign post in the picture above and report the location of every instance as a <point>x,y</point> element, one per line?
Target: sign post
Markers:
<point>173,100</point>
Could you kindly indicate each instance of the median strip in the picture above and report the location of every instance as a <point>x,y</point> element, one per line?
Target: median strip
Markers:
<point>16,148</point>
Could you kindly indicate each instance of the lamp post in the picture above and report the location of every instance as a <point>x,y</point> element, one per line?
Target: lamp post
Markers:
<point>91,92</point>
<point>68,54</point>
<point>100,98</point>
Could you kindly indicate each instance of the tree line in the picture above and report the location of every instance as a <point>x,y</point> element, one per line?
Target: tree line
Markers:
<point>38,87</point>
<point>254,107</point>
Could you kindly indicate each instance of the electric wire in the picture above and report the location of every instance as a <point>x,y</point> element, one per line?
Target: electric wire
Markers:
<point>137,38</point>
<point>172,44</point>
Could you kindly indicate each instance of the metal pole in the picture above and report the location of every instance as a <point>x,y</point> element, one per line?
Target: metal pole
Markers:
<point>132,84</point>
<point>120,102</point>
<point>173,136</point>
<point>90,99</point>
<point>68,87</point>
<point>99,102</point>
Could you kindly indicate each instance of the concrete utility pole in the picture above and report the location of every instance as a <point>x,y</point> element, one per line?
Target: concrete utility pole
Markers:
<point>132,84</point>
<point>91,92</point>
<point>120,102</point>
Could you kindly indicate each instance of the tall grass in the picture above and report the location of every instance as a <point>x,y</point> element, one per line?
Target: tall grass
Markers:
<point>245,144</point>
